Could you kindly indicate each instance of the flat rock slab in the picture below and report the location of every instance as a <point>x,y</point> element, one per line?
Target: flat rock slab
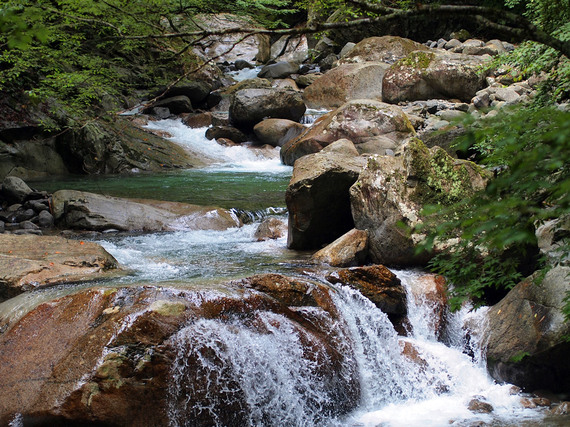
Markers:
<point>29,262</point>
<point>88,211</point>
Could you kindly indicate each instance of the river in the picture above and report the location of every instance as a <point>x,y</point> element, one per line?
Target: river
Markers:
<point>394,391</point>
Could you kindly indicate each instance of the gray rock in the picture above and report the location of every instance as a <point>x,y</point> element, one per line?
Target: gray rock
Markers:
<point>229,132</point>
<point>552,236</point>
<point>277,132</point>
<point>87,211</point>
<point>387,49</point>
<point>2,227</point>
<point>250,106</point>
<point>433,75</point>
<point>392,190</point>
<point>15,188</point>
<point>345,83</point>
<point>317,196</point>
<point>160,112</point>
<point>452,44</point>
<point>346,49</point>
<point>45,219</point>
<point>507,94</point>
<point>37,205</point>
<point>176,105</point>
<point>280,70</point>
<point>270,228</point>
<point>359,121</point>
<point>28,225</point>
<point>24,215</point>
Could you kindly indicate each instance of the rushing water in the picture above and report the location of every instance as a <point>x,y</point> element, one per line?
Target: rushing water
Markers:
<point>270,369</point>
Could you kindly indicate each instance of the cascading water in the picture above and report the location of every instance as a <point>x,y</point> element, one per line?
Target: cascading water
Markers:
<point>255,368</point>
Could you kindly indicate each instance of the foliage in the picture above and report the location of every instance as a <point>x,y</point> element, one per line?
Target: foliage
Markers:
<point>79,53</point>
<point>529,152</point>
<point>532,58</point>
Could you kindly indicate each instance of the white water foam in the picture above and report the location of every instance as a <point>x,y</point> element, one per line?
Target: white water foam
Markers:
<point>239,158</point>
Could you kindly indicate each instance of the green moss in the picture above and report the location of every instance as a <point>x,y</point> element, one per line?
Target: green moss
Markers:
<point>417,59</point>
<point>440,178</point>
<point>519,356</point>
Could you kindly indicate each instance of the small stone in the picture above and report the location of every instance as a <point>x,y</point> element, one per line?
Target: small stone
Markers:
<point>160,112</point>
<point>22,232</point>
<point>28,225</point>
<point>37,205</point>
<point>480,407</point>
<point>270,228</point>
<point>45,219</point>
<point>2,228</point>
<point>541,401</point>
<point>25,216</point>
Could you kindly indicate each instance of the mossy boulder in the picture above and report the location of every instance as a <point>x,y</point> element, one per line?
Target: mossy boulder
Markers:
<point>372,126</point>
<point>388,197</point>
<point>344,83</point>
<point>432,74</point>
<point>387,49</point>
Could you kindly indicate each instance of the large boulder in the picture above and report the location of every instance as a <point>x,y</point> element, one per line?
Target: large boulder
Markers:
<point>433,74</point>
<point>387,49</point>
<point>317,196</point>
<point>176,104</point>
<point>250,106</point>
<point>30,262</point>
<point>15,189</point>
<point>390,193</point>
<point>349,250</point>
<point>88,211</point>
<point>116,147</point>
<point>344,83</point>
<point>31,159</point>
<point>154,355</point>
<point>372,126</point>
<point>527,335</point>
<point>277,132</point>
<point>376,283</point>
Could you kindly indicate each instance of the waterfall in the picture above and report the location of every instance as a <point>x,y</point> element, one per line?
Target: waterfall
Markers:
<point>264,376</point>
<point>238,158</point>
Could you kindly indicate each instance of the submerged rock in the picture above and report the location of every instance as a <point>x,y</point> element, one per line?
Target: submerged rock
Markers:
<point>376,283</point>
<point>149,355</point>
<point>29,262</point>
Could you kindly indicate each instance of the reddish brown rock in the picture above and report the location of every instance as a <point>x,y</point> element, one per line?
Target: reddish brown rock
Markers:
<point>376,283</point>
<point>29,262</point>
<point>141,355</point>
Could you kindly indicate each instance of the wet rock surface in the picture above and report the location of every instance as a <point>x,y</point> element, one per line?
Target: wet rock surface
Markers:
<point>32,262</point>
<point>128,356</point>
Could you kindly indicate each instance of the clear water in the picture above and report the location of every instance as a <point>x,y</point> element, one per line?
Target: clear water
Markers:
<point>270,369</point>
